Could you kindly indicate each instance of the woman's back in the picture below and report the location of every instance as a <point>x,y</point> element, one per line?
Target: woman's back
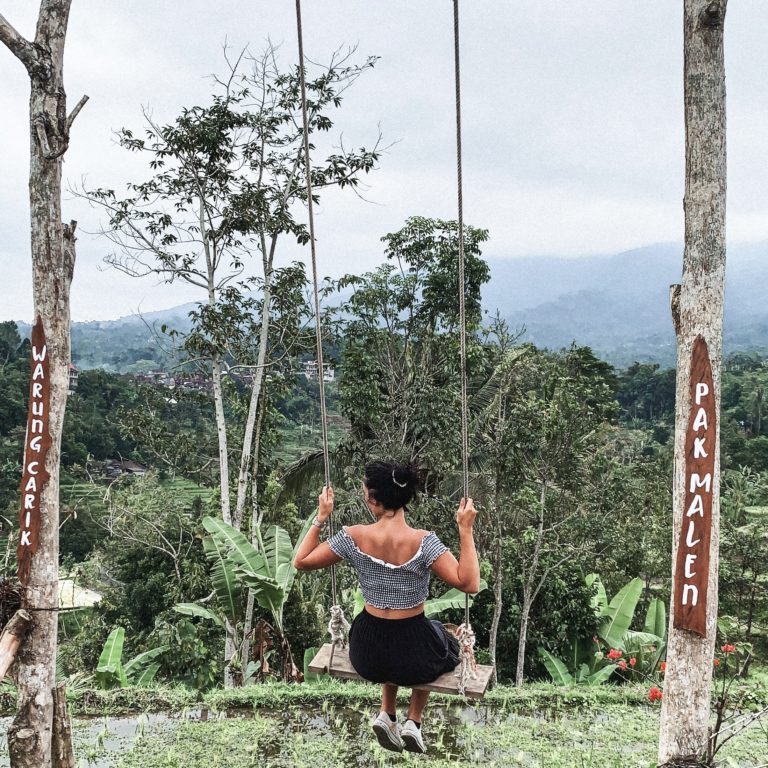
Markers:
<point>396,545</point>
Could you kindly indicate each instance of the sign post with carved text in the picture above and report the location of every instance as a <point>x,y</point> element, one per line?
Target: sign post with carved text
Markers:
<point>692,565</point>
<point>36,446</point>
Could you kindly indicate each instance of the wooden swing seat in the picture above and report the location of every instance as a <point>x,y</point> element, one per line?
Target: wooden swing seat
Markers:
<point>447,683</point>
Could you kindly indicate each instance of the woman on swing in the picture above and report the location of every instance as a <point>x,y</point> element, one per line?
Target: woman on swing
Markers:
<point>391,641</point>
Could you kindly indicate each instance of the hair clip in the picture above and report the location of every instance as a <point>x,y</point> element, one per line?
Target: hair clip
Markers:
<point>402,485</point>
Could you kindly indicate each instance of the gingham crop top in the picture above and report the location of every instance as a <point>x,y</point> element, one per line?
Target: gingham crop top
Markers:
<point>390,586</point>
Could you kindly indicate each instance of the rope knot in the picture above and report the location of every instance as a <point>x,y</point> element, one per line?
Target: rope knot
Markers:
<point>338,627</point>
<point>468,665</point>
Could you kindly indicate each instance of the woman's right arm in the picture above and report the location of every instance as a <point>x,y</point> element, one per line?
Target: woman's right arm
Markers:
<point>464,573</point>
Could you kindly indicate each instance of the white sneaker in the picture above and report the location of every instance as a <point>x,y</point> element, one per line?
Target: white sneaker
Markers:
<point>412,738</point>
<point>387,732</point>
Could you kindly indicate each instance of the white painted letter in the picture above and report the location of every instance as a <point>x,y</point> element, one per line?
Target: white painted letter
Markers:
<point>34,464</point>
<point>39,355</point>
<point>705,483</point>
<point>25,542</point>
<point>696,508</point>
<point>689,558</point>
<point>37,408</point>
<point>700,420</point>
<point>698,448</point>
<point>39,372</point>
<point>29,501</point>
<point>693,588</point>
<point>35,427</point>
<point>689,535</point>
<point>701,390</point>
<point>34,444</point>
<point>31,484</point>
<point>37,389</point>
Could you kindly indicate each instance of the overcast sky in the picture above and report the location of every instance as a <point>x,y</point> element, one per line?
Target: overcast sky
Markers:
<point>573,122</point>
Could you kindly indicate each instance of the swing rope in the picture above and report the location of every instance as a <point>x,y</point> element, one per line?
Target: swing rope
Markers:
<point>338,622</point>
<point>466,637</point>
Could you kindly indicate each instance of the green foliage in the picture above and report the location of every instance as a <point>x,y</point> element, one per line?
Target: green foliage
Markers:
<point>587,663</point>
<point>112,673</point>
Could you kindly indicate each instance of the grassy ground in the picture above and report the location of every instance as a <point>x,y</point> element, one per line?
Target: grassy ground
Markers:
<point>326,725</point>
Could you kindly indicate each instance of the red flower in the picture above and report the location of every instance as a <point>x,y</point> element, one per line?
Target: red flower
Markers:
<point>727,648</point>
<point>632,661</point>
<point>622,664</point>
<point>655,694</point>
<point>614,653</point>
<point>716,662</point>
<point>663,666</point>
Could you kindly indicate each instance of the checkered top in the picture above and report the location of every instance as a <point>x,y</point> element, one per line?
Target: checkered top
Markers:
<point>391,586</point>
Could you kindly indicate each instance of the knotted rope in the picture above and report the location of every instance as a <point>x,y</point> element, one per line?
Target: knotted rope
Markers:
<point>468,664</point>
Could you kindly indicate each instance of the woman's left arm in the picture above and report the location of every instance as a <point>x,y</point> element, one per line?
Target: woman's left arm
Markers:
<point>311,554</point>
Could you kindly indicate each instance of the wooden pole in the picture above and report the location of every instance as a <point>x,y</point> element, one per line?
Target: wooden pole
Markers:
<point>697,310</point>
<point>62,752</point>
<point>13,634</point>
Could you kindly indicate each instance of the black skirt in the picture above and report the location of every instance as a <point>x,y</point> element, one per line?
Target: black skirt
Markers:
<point>405,652</point>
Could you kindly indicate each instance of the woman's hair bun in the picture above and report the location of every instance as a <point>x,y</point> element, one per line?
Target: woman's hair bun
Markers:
<point>392,484</point>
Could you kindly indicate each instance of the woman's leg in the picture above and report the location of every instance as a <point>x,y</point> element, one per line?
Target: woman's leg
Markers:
<point>389,699</point>
<point>418,702</point>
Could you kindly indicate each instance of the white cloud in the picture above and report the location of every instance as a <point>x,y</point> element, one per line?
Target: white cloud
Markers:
<point>573,121</point>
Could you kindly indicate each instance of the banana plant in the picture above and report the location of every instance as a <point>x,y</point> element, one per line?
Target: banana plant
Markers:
<point>586,663</point>
<point>140,670</point>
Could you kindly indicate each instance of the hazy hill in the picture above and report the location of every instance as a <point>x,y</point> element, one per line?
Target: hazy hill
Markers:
<point>618,305</point>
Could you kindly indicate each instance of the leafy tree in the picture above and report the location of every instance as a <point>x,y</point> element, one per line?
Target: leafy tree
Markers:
<point>227,177</point>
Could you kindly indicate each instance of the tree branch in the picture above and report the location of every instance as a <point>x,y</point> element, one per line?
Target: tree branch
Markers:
<point>18,45</point>
<point>75,112</point>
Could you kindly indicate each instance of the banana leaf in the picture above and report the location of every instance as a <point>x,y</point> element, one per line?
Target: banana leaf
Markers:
<point>278,557</point>
<point>618,615</point>
<point>359,603</point>
<point>112,653</point>
<point>240,550</point>
<point>453,598</point>
<point>137,663</point>
<point>656,618</point>
<point>602,674</point>
<point>636,641</point>
<point>266,591</point>
<point>557,670</point>
<point>148,675</point>
<point>225,582</point>
<point>195,609</point>
<point>599,599</point>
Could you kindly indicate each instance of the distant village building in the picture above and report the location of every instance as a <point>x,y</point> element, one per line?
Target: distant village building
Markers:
<point>73,374</point>
<point>116,468</point>
<point>311,367</point>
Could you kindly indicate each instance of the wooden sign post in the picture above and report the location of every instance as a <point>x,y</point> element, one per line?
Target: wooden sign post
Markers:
<point>692,565</point>
<point>36,446</point>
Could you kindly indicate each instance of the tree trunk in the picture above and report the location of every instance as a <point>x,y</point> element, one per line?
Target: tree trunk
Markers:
<point>253,406</point>
<point>498,592</point>
<point>255,525</point>
<point>697,307</point>
<point>528,591</point>
<point>221,433</point>
<point>53,258</point>
<point>63,755</point>
<point>525,612</point>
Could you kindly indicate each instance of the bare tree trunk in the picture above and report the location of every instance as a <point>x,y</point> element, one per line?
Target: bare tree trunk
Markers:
<point>498,590</point>
<point>255,525</point>
<point>528,590</point>
<point>697,308</point>
<point>253,406</point>
<point>63,755</point>
<point>53,259</point>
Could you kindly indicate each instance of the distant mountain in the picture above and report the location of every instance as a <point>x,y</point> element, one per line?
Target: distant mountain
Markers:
<point>618,305</point>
